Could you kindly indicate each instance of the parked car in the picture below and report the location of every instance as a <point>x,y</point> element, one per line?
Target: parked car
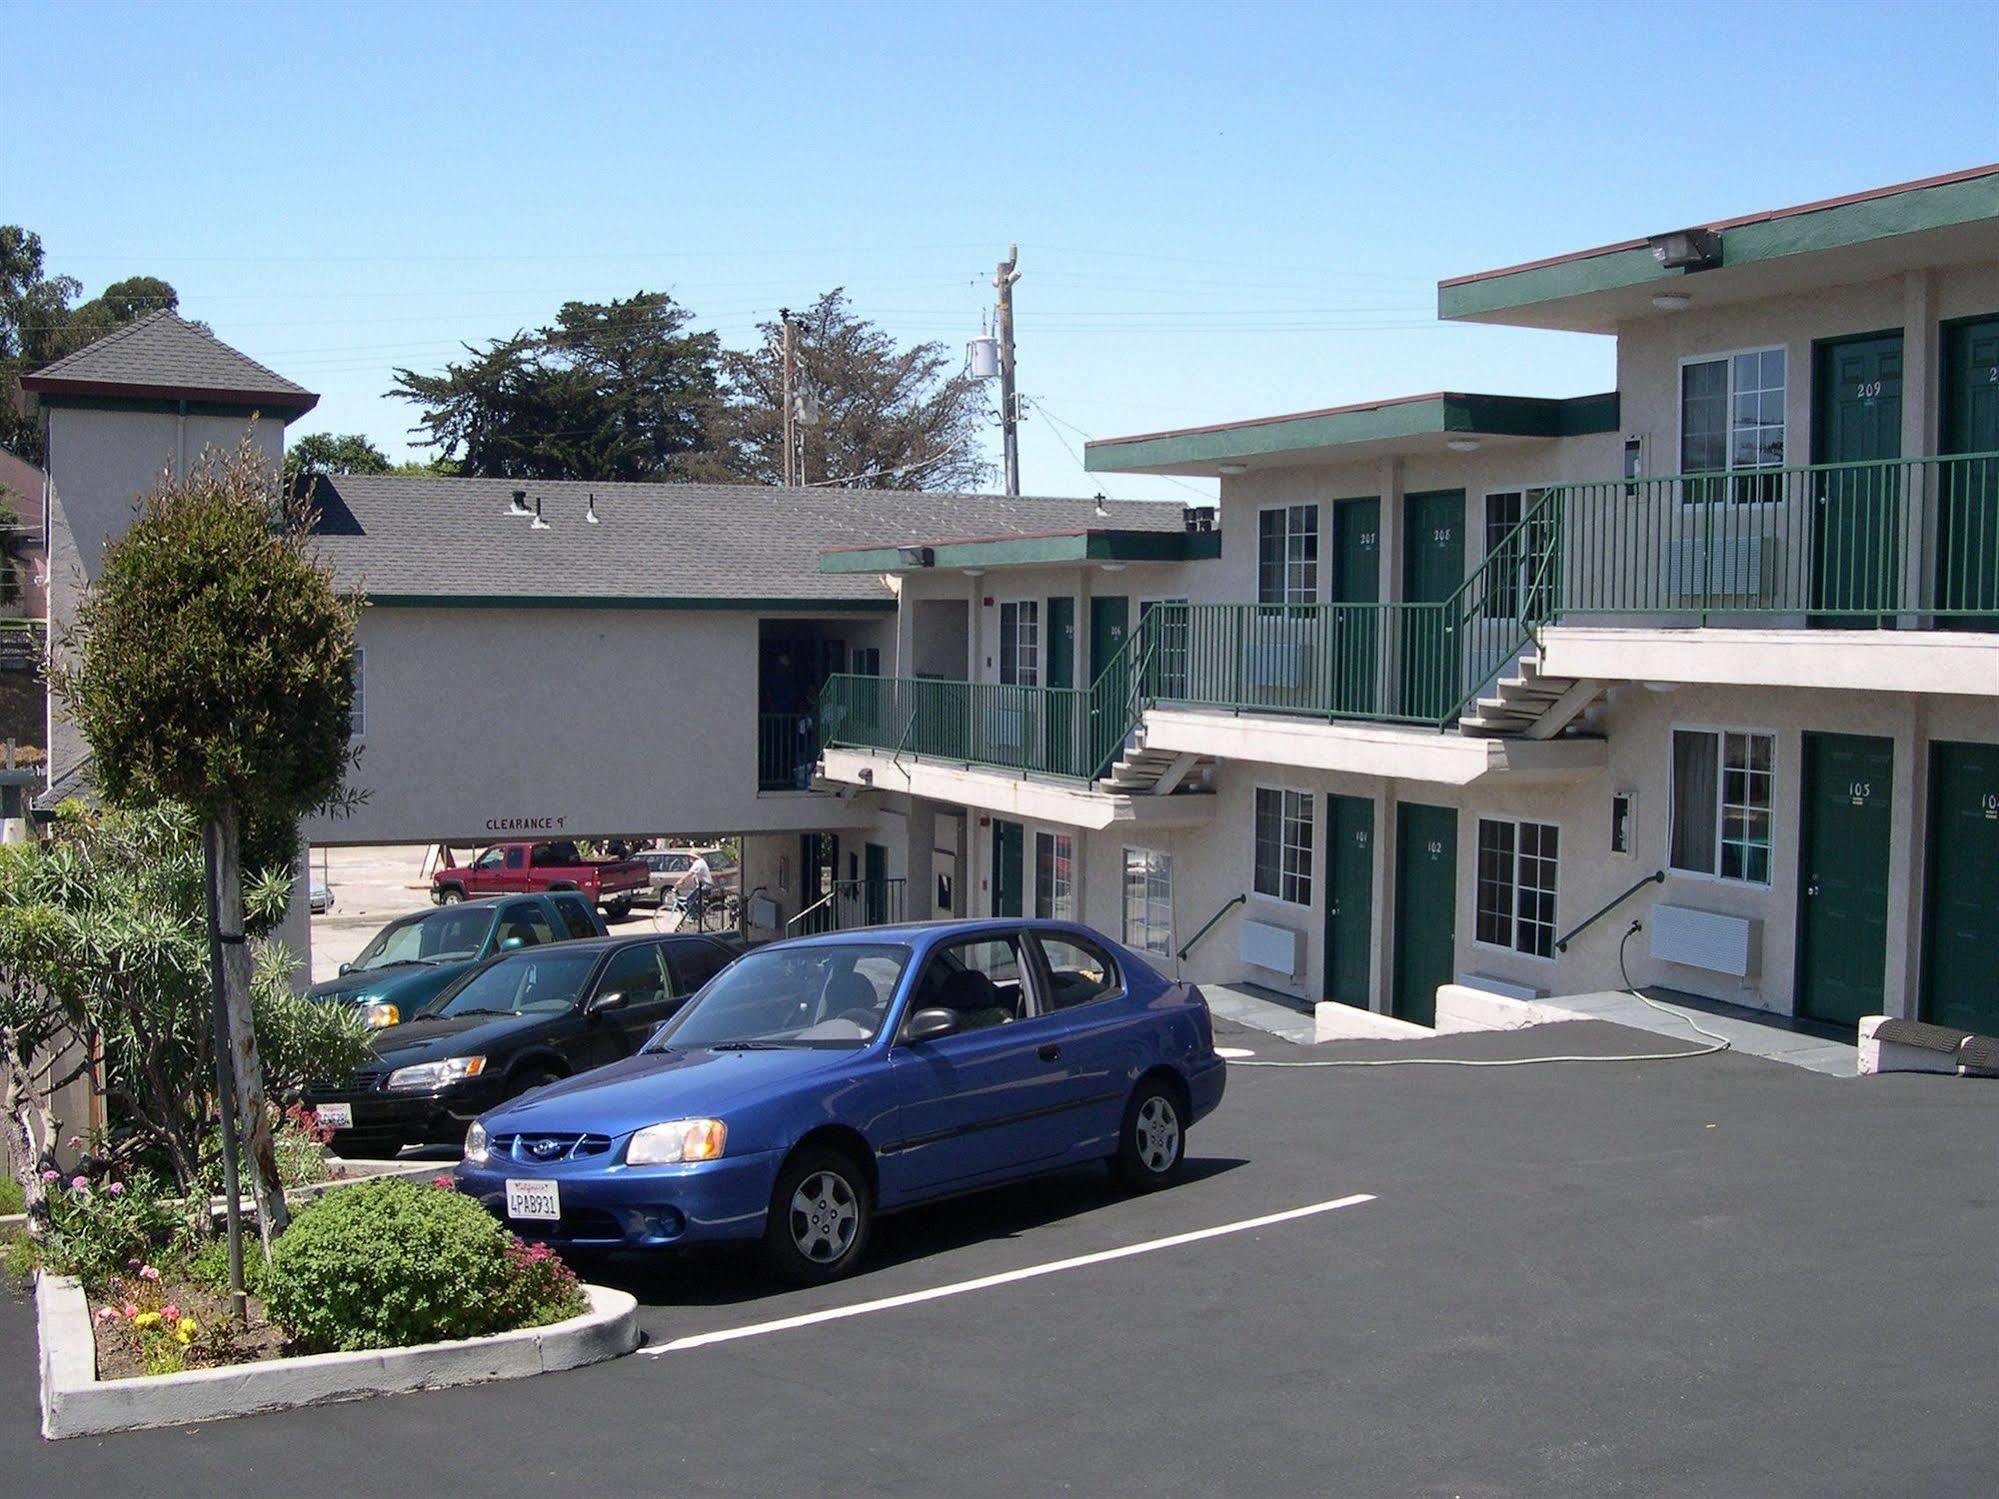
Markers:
<point>320,900</point>
<point>665,867</point>
<point>516,1021</point>
<point>818,1082</point>
<point>558,865</point>
<point>408,962</point>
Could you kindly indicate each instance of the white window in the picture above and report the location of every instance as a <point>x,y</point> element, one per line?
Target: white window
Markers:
<point>1148,901</point>
<point>1287,555</point>
<point>1732,419</point>
<point>1169,646</point>
<point>1722,781</point>
<point>356,720</point>
<point>1054,877</point>
<point>1527,565</point>
<point>1020,642</point>
<point>1516,885</point>
<point>1284,845</point>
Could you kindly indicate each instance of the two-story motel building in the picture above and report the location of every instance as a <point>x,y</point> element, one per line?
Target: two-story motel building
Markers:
<point>1455,687</point>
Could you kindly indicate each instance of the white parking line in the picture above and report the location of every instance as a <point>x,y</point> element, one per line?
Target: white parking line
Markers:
<point>1007,1277</point>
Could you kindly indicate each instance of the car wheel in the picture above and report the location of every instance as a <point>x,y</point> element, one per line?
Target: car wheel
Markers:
<point>820,1213</point>
<point>618,910</point>
<point>450,895</point>
<point>1152,1146</point>
<point>530,1078</point>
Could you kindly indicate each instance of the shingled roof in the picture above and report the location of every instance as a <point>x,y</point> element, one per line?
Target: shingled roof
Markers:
<point>162,356</point>
<point>425,540</point>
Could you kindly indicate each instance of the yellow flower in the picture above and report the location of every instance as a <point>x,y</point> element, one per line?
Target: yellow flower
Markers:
<point>146,1319</point>
<point>187,1329</point>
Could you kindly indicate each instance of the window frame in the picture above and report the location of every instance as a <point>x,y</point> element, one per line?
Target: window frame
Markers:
<point>1044,971</point>
<point>357,714</point>
<point>1068,910</point>
<point>1026,610</point>
<point>1284,820</point>
<point>1146,899</point>
<point>1515,887</point>
<point>1529,496</point>
<point>1721,733</point>
<point>1024,961</point>
<point>1285,597</point>
<point>1739,494</point>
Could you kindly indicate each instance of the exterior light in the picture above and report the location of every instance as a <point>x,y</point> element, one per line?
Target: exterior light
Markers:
<point>1232,469</point>
<point>915,556</point>
<point>1687,249</point>
<point>1672,301</point>
<point>1463,444</point>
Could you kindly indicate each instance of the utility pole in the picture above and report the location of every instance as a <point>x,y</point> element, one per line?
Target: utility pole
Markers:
<point>784,317</point>
<point>1003,279</point>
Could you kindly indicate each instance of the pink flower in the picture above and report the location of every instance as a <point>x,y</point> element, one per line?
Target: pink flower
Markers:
<point>116,1189</point>
<point>444,1183</point>
<point>74,1141</point>
<point>129,1309</point>
<point>105,1313</point>
<point>147,1272</point>
<point>171,1312</point>
<point>51,1176</point>
<point>80,1183</point>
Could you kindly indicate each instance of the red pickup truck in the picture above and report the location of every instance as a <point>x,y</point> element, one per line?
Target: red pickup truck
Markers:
<point>507,868</point>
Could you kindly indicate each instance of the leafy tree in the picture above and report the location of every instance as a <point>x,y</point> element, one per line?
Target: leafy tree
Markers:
<point>38,324</point>
<point>331,453</point>
<point>611,390</point>
<point>104,944</point>
<point>889,417</point>
<point>212,664</point>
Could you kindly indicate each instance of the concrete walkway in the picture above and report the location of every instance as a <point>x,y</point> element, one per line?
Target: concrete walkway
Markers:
<point>1773,1038</point>
<point>1274,1014</point>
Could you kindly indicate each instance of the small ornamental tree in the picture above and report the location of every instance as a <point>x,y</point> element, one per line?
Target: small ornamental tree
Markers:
<point>212,663</point>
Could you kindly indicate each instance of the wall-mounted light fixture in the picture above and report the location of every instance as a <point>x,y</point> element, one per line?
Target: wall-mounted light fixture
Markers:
<point>1687,249</point>
<point>1231,469</point>
<point>1462,444</point>
<point>1672,301</point>
<point>915,556</point>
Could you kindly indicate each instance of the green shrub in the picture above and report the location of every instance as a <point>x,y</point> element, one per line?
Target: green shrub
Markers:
<point>387,1264</point>
<point>98,1230</point>
<point>209,1268</point>
<point>11,1197</point>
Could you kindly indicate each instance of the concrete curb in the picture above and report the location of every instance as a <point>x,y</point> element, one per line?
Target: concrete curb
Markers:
<point>75,1402</point>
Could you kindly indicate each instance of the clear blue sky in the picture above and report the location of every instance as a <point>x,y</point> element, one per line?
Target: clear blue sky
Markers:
<point>1223,211</point>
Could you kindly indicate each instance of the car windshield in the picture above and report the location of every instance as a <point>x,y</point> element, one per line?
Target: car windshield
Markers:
<point>545,981</point>
<point>448,936</point>
<point>834,994</point>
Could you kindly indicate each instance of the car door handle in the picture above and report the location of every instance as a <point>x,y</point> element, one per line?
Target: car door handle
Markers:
<point>1049,1052</point>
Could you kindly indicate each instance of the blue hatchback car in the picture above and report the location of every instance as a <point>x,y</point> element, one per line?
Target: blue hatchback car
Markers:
<point>815,1083</point>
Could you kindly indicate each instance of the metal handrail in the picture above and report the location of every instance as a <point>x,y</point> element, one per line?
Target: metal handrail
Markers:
<point>1657,877</point>
<point>1228,905</point>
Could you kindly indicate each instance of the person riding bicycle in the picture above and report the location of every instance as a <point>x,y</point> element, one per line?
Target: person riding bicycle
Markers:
<point>700,880</point>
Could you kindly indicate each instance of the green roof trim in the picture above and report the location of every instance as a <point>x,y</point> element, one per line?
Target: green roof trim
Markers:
<point>883,605</point>
<point>1026,551</point>
<point>1936,204</point>
<point>1385,421</point>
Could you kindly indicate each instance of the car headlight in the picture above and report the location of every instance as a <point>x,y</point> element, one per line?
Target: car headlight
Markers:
<point>475,1143</point>
<point>427,1077</point>
<point>379,1012</point>
<point>677,1142</point>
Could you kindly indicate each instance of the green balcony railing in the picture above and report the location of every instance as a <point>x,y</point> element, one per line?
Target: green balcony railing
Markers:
<point>787,746</point>
<point>1044,729</point>
<point>1846,544</point>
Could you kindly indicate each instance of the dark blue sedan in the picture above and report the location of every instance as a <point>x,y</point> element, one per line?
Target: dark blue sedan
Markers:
<point>815,1083</point>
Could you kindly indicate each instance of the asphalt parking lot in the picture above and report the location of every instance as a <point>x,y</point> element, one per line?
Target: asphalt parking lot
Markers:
<point>1714,1276</point>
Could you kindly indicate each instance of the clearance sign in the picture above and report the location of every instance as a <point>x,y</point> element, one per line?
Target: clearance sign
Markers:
<point>525,824</point>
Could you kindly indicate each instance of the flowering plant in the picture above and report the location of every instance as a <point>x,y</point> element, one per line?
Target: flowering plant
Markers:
<point>159,1332</point>
<point>94,1232</point>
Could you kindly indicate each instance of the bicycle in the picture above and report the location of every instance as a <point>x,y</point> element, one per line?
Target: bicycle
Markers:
<point>699,902</point>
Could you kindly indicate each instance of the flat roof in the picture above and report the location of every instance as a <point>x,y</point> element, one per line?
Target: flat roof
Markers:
<point>1577,290</point>
<point>1399,425</point>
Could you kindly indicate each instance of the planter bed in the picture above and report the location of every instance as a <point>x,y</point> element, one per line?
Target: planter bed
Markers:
<point>75,1402</point>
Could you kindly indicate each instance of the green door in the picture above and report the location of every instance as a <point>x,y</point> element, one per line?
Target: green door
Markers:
<point>1857,520</point>
<point>1961,933</point>
<point>1349,897</point>
<point>1008,846</point>
<point>1356,589</point>
<point>1426,904</point>
<point>1110,695</point>
<point>1843,877</point>
<point>1967,549</point>
<point>1063,752</point>
<point>1433,565</point>
<point>874,892</point>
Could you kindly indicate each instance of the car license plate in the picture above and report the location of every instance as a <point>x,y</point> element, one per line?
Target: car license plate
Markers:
<point>336,1115</point>
<point>533,1199</point>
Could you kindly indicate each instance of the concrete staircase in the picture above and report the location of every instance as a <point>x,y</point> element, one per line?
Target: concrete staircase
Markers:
<point>1139,771</point>
<point>1530,705</point>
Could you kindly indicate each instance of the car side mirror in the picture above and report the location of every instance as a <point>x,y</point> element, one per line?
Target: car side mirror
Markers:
<point>345,969</point>
<point>931,1025</point>
<point>507,944</point>
<point>612,1001</point>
